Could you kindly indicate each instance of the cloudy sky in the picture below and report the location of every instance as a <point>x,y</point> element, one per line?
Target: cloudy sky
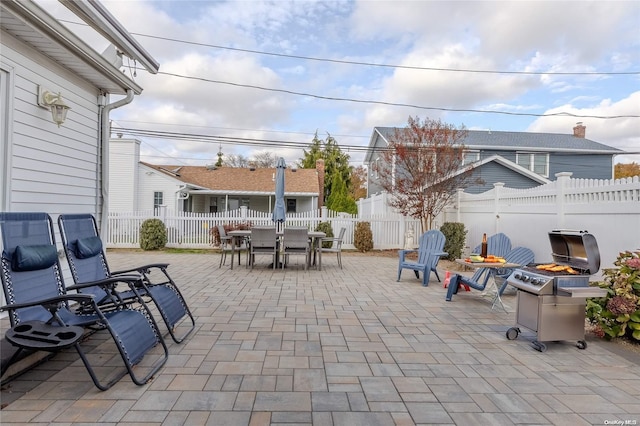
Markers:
<point>269,74</point>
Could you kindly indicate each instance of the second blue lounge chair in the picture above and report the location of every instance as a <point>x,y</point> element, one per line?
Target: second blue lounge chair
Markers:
<point>88,263</point>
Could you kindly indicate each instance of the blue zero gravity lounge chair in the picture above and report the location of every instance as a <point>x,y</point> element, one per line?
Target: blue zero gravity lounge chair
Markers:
<point>88,263</point>
<point>37,298</point>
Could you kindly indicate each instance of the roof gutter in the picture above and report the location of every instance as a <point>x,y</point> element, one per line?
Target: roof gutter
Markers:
<point>48,25</point>
<point>92,12</point>
<point>103,143</point>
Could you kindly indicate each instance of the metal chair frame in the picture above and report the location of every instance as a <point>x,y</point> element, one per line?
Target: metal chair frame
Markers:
<point>295,241</point>
<point>155,283</point>
<point>263,242</point>
<point>39,294</point>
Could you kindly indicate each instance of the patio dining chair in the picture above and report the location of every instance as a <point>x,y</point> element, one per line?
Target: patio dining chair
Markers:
<point>37,299</point>
<point>429,252</point>
<point>295,241</point>
<point>263,242</point>
<point>88,263</point>
<point>334,247</point>
<point>226,246</point>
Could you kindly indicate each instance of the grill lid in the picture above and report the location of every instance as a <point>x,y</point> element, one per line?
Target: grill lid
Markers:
<point>577,249</point>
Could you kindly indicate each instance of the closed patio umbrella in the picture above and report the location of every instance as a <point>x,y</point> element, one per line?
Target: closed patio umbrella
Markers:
<point>279,213</point>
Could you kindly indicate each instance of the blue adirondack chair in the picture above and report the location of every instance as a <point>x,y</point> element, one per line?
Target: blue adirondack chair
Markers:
<point>518,255</point>
<point>429,252</point>
<point>497,245</point>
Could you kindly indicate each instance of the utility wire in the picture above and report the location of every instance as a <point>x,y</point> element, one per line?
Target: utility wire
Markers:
<point>375,64</point>
<point>373,102</point>
<point>331,98</point>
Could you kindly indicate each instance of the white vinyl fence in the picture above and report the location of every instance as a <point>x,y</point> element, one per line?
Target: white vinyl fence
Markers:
<point>608,209</point>
<point>191,230</point>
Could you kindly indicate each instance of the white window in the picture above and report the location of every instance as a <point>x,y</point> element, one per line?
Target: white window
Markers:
<point>535,161</point>
<point>469,157</point>
<point>158,198</point>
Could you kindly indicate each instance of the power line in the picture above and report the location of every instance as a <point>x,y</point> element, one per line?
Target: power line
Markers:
<point>239,128</point>
<point>395,104</point>
<point>375,64</point>
<point>381,65</point>
<point>331,98</point>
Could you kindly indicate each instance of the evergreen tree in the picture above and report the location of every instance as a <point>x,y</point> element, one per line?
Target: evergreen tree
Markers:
<point>335,162</point>
<point>339,199</point>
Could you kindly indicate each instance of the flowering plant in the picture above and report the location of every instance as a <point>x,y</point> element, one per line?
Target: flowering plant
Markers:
<point>618,313</point>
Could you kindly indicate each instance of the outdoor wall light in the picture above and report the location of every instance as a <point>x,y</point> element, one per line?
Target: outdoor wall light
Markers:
<point>54,103</point>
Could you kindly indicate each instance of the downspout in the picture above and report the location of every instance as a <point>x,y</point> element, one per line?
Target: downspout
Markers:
<point>105,134</point>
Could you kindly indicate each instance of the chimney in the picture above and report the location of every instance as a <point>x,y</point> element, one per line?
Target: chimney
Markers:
<point>579,131</point>
<point>320,172</point>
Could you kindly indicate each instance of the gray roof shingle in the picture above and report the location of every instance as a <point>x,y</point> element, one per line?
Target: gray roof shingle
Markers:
<point>489,139</point>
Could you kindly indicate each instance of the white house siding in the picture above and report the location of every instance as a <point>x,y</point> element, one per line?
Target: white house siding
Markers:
<point>123,174</point>
<point>5,119</point>
<point>50,169</point>
<point>45,168</point>
<point>153,181</point>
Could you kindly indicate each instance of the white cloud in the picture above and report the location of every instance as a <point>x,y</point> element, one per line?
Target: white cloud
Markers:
<point>509,36</point>
<point>621,133</point>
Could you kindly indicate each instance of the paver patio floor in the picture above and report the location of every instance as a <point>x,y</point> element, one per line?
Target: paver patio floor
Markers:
<point>336,347</point>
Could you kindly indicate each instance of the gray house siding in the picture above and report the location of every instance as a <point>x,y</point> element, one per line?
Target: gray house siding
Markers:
<point>584,158</point>
<point>493,172</point>
<point>594,166</point>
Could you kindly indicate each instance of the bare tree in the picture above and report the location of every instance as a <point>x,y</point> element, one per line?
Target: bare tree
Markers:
<point>263,160</point>
<point>422,168</point>
<point>236,160</point>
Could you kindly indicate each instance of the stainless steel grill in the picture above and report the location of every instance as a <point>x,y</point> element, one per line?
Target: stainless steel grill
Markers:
<point>552,304</point>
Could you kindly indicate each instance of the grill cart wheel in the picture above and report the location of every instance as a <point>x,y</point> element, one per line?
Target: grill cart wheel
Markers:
<point>539,346</point>
<point>581,344</point>
<point>512,333</point>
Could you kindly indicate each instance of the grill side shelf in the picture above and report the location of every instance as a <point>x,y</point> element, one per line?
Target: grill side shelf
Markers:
<point>582,292</point>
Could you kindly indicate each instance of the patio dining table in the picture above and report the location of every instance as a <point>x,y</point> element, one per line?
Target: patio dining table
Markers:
<point>240,234</point>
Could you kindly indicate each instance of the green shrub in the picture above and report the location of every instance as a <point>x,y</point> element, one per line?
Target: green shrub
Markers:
<point>455,235</point>
<point>618,313</point>
<point>328,230</point>
<point>153,235</point>
<point>363,237</point>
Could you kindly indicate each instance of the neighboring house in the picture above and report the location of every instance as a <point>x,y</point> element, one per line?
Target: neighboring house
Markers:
<point>49,167</point>
<point>137,185</point>
<point>518,159</point>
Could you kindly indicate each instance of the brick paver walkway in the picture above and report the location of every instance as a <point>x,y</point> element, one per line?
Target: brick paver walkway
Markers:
<point>336,347</point>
